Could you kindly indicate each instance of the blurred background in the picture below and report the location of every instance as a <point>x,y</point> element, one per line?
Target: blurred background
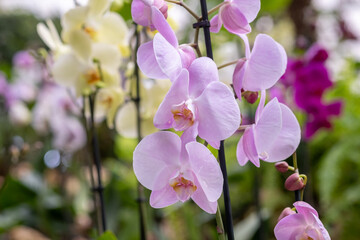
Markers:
<point>45,192</point>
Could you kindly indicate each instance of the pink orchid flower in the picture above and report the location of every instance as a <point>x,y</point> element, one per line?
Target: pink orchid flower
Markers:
<point>141,11</point>
<point>236,16</point>
<point>303,225</point>
<point>198,102</point>
<point>163,57</point>
<point>177,171</point>
<point>263,66</point>
<point>273,137</point>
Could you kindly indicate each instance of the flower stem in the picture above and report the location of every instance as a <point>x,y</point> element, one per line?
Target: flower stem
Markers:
<point>296,169</point>
<point>140,188</point>
<point>187,8</point>
<point>96,154</point>
<point>216,8</point>
<point>220,225</point>
<point>228,64</point>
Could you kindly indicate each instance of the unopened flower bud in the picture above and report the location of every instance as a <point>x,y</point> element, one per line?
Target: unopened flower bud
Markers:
<point>294,182</point>
<point>282,166</point>
<point>250,97</point>
<point>286,212</point>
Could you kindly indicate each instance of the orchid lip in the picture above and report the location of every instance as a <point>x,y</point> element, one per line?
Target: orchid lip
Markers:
<point>183,187</point>
<point>184,115</point>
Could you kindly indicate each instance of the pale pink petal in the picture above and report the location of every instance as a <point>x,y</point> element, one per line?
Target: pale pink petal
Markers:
<point>147,62</point>
<point>268,128</point>
<point>266,64</point>
<point>141,13</point>
<point>202,71</point>
<point>163,27</point>
<point>322,229</point>
<point>240,152</point>
<point>234,20</point>
<point>155,154</point>
<point>215,24</point>
<point>249,147</point>
<point>218,113</point>
<point>305,209</point>
<point>163,197</point>
<point>190,134</point>
<point>206,169</point>
<point>187,55</point>
<point>260,106</point>
<point>167,56</point>
<point>201,200</point>
<point>238,77</point>
<point>288,139</point>
<point>289,227</point>
<point>250,9</point>
<point>177,94</point>
<point>246,45</point>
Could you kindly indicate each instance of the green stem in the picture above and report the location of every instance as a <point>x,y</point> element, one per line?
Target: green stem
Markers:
<point>220,225</point>
<point>228,64</point>
<point>216,8</point>
<point>182,4</point>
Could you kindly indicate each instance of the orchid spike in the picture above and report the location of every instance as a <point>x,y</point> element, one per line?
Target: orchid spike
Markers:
<point>305,224</point>
<point>263,66</point>
<point>198,100</point>
<point>235,15</point>
<point>163,58</point>
<point>177,171</point>
<point>273,137</point>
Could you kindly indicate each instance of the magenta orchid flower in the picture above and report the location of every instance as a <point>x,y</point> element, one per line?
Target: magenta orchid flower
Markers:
<point>198,102</point>
<point>176,171</point>
<point>305,224</point>
<point>273,137</point>
<point>235,15</point>
<point>263,66</point>
<point>163,57</point>
<point>141,11</point>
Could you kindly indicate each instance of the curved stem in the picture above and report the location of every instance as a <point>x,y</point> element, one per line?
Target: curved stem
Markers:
<point>187,8</point>
<point>220,225</point>
<point>296,169</point>
<point>216,8</point>
<point>228,64</point>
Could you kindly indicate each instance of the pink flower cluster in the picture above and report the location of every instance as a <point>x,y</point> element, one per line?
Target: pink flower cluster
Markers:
<point>310,78</point>
<point>177,169</point>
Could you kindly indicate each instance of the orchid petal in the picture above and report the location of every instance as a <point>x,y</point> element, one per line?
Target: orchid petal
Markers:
<point>266,64</point>
<point>215,24</point>
<point>290,226</point>
<point>201,200</point>
<point>187,55</point>
<point>80,43</point>
<point>218,112</point>
<point>141,13</point>
<point>240,152</point>
<point>249,146</point>
<point>147,61</point>
<point>305,209</point>
<point>234,20</point>
<point>238,77</point>
<point>163,197</point>
<point>108,56</point>
<point>177,94</point>
<point>98,7</point>
<point>113,29</point>
<point>288,139</point>
<point>260,106</point>
<point>167,57</point>
<point>202,71</point>
<point>206,169</point>
<point>66,70</point>
<point>163,27</point>
<point>268,127</point>
<point>250,9</point>
<point>156,156</point>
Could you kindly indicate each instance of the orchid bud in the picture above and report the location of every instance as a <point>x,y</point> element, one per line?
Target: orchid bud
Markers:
<point>250,97</point>
<point>282,166</point>
<point>286,212</point>
<point>294,182</point>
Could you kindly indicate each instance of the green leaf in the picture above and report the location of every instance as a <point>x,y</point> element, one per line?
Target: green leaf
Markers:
<point>108,235</point>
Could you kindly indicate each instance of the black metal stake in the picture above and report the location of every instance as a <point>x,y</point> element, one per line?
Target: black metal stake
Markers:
<point>96,154</point>
<point>136,100</point>
<point>205,24</point>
